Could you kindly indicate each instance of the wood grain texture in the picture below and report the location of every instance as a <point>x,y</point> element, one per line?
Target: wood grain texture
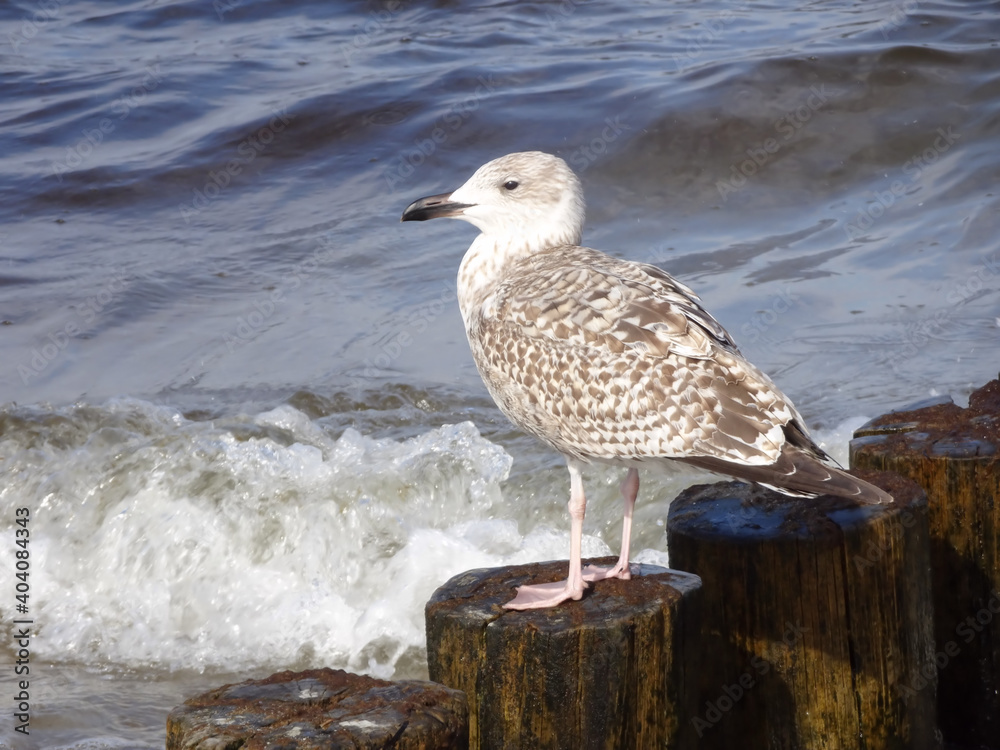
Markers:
<point>815,612</point>
<point>608,671</point>
<point>321,709</point>
<point>954,454</point>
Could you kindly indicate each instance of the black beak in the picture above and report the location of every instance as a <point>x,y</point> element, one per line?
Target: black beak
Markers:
<point>433,207</point>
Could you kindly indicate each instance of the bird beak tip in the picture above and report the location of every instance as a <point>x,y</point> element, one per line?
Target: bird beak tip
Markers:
<point>433,207</point>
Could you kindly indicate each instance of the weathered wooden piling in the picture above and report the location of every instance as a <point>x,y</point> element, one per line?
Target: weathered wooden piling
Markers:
<point>322,709</point>
<point>816,615</point>
<point>954,454</point>
<point>609,671</point>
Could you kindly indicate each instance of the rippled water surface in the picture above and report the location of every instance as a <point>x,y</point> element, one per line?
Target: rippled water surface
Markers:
<point>239,401</point>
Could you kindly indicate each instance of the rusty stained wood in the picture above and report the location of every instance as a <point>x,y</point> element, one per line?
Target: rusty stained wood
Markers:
<point>815,612</point>
<point>321,709</point>
<point>954,454</point>
<point>608,671</point>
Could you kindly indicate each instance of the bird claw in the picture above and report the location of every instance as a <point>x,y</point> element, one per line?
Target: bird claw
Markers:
<point>544,595</point>
<point>622,571</point>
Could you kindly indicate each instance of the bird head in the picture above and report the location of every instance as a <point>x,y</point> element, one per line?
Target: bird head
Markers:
<point>528,198</point>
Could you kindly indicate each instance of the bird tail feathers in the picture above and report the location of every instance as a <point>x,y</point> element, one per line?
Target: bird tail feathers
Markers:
<point>798,474</point>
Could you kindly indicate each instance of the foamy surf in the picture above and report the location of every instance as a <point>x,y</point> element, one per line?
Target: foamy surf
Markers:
<point>167,543</point>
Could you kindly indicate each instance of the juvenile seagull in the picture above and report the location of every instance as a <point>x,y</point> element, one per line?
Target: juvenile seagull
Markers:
<point>610,360</point>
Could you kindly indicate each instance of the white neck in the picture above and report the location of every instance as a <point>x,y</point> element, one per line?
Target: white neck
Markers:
<point>490,255</point>
<point>483,267</point>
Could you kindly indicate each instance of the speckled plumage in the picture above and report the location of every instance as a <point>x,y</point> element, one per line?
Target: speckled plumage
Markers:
<point>610,360</point>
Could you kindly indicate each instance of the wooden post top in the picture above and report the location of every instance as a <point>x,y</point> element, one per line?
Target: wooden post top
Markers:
<point>479,595</point>
<point>938,428</point>
<point>735,511</point>
<point>322,708</point>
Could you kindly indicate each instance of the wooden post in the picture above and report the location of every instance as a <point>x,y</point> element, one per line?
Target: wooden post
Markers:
<point>953,454</point>
<point>816,613</point>
<point>322,708</point>
<point>608,671</point>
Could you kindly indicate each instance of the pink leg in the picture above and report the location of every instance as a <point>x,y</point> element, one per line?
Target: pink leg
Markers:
<point>630,489</point>
<point>543,595</point>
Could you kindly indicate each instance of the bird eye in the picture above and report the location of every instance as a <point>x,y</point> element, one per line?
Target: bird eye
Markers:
<point>510,185</point>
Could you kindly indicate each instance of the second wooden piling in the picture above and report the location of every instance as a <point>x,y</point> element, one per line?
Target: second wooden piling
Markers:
<point>954,454</point>
<point>817,615</point>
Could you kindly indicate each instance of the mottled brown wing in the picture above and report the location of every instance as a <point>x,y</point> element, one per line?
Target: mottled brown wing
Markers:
<point>590,296</point>
<point>609,359</point>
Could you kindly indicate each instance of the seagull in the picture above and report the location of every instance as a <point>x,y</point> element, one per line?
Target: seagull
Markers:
<point>611,361</point>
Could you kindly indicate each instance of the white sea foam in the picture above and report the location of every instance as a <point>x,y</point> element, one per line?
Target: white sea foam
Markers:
<point>160,541</point>
<point>836,440</point>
